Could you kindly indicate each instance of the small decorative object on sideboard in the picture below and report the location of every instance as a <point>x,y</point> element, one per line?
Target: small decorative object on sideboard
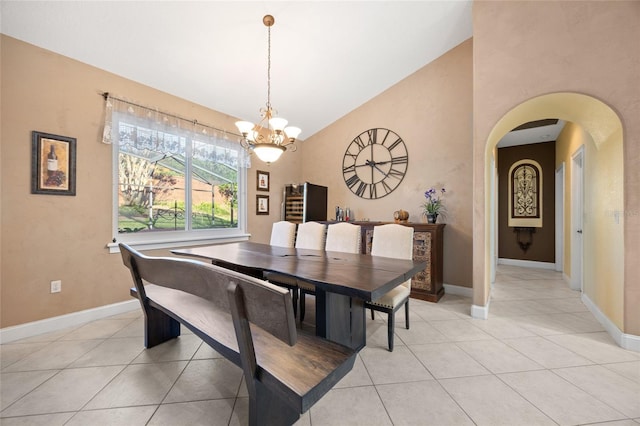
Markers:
<point>401,216</point>
<point>433,206</point>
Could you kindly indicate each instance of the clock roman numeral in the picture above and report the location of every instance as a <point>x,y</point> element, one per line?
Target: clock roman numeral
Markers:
<point>361,189</point>
<point>352,181</point>
<point>396,143</point>
<point>400,160</point>
<point>396,173</point>
<point>373,192</point>
<point>373,134</point>
<point>387,188</point>
<point>359,142</point>
<point>349,169</point>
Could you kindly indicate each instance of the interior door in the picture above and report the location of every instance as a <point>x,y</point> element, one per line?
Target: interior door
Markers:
<point>577,215</point>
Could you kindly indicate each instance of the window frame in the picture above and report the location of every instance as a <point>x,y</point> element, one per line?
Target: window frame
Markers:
<point>181,238</point>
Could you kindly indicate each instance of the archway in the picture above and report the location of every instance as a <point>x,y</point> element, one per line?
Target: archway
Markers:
<point>596,127</point>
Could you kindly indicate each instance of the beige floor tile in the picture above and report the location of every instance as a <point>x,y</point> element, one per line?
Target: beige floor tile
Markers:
<point>206,352</point>
<point>181,348</point>
<point>597,347</point>
<point>488,401</point>
<point>198,413</point>
<point>543,324</point>
<point>206,379</point>
<point>55,355</point>
<point>554,395</point>
<point>502,328</point>
<point>11,353</point>
<point>630,370</point>
<point>433,312</point>
<point>377,336</point>
<point>460,330</point>
<point>58,419</point>
<point>607,386</point>
<point>497,357</point>
<point>14,386</point>
<point>139,384</point>
<point>628,422</point>
<point>358,376</point>
<point>447,360</point>
<point>100,329</point>
<point>421,403</point>
<point>116,351</point>
<point>128,416</point>
<point>352,406</point>
<point>133,329</point>
<point>546,353</point>
<point>69,390</point>
<point>393,367</point>
<point>420,332</point>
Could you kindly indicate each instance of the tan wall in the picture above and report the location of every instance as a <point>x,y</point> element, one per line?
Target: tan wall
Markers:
<point>431,111</point>
<point>527,49</point>
<point>47,237</point>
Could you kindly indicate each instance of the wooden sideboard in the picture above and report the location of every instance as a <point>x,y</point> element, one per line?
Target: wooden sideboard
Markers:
<point>427,246</point>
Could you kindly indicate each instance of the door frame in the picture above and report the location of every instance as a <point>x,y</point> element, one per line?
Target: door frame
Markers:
<point>577,218</point>
<point>559,233</point>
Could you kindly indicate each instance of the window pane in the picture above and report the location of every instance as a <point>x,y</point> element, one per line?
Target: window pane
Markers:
<point>151,177</point>
<point>214,186</point>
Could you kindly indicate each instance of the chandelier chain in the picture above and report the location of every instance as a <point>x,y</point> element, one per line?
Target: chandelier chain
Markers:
<point>269,69</point>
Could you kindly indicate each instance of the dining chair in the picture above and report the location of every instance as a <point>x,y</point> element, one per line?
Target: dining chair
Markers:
<point>311,235</point>
<point>395,241</point>
<point>342,237</point>
<point>283,234</point>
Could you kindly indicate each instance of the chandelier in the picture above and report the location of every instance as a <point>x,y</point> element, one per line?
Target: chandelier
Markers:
<point>279,138</point>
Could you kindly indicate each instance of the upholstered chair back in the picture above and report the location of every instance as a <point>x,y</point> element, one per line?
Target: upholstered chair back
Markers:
<point>343,237</point>
<point>311,235</point>
<point>393,240</point>
<point>283,234</point>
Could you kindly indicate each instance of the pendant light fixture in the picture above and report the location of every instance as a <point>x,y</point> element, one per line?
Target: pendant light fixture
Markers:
<point>278,138</point>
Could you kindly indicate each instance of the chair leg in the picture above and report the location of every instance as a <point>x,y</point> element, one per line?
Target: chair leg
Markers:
<point>302,305</point>
<point>295,301</point>
<point>406,314</point>
<point>390,325</point>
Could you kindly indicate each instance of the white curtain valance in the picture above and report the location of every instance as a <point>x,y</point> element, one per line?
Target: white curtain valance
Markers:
<point>169,123</point>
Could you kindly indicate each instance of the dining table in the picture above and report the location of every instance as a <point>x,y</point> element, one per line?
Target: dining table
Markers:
<point>343,281</point>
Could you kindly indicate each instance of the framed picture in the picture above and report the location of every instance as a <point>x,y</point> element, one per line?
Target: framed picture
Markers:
<point>262,181</point>
<point>53,164</point>
<point>262,204</point>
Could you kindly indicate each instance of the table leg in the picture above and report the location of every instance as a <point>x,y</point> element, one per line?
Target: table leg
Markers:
<point>340,319</point>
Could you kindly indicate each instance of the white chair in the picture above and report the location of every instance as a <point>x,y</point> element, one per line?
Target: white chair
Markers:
<point>342,237</point>
<point>395,241</point>
<point>311,236</point>
<point>283,234</point>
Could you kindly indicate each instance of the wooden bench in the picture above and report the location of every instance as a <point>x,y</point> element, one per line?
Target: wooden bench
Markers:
<point>248,321</point>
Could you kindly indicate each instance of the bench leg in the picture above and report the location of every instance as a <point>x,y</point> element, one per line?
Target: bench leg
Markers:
<point>159,327</point>
<point>265,408</point>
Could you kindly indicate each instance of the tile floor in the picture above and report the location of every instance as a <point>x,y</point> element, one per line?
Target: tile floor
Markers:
<point>540,359</point>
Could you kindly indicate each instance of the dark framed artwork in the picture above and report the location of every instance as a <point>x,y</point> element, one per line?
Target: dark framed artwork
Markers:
<point>53,164</point>
<point>262,180</point>
<point>262,204</point>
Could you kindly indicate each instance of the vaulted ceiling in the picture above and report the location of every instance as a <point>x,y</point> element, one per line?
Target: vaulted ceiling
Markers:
<point>328,57</point>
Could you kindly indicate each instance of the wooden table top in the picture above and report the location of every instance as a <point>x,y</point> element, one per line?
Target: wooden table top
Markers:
<point>356,275</point>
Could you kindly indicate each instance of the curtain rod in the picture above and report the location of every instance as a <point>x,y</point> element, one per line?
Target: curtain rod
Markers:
<point>107,95</point>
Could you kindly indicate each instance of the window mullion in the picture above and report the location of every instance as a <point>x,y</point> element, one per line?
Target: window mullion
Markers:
<point>187,183</point>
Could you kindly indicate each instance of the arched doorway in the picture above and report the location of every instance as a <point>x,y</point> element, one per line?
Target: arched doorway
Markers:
<point>596,128</point>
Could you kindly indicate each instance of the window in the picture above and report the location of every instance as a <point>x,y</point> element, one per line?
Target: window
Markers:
<point>175,182</point>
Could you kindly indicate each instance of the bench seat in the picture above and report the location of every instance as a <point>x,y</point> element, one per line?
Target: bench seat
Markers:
<point>300,374</point>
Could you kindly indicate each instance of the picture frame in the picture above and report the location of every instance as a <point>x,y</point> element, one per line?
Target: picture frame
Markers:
<point>262,204</point>
<point>262,181</point>
<point>53,164</point>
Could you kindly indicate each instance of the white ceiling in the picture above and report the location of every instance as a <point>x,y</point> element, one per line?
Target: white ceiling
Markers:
<point>532,135</point>
<point>328,57</point>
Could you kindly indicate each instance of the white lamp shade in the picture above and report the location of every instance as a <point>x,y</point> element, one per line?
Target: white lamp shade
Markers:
<point>244,127</point>
<point>278,123</point>
<point>268,152</point>
<point>292,132</point>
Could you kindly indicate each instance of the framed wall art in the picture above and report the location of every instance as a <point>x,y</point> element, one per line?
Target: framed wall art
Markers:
<point>262,180</point>
<point>53,164</point>
<point>262,204</point>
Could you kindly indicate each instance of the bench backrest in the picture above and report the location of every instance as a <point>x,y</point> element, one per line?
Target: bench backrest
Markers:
<point>259,302</point>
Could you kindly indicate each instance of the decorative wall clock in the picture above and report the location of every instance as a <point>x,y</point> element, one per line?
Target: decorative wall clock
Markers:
<point>375,163</point>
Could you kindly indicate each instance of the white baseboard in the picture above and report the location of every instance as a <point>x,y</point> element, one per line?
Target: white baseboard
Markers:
<point>626,341</point>
<point>566,279</point>
<point>22,331</point>
<point>480,312</point>
<point>527,263</point>
<point>458,290</point>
